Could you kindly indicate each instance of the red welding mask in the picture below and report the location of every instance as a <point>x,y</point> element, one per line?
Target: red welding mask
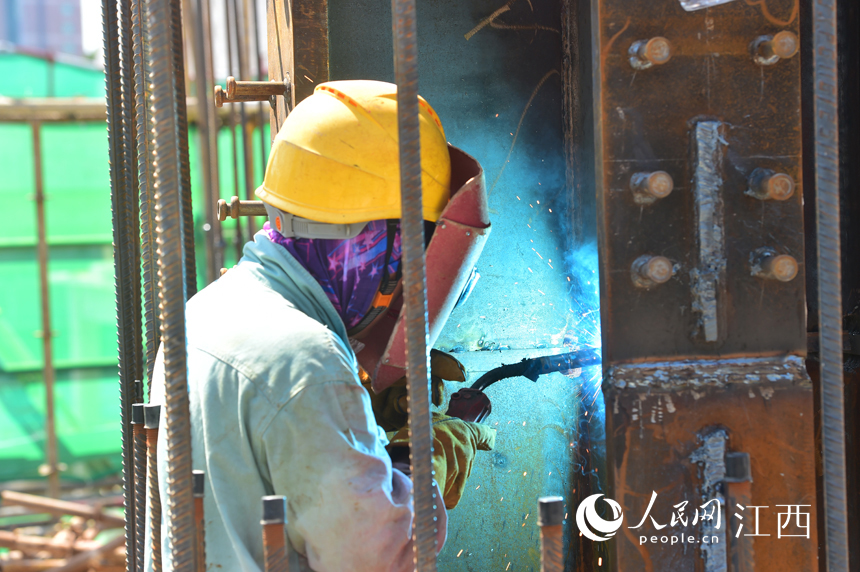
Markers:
<point>457,242</point>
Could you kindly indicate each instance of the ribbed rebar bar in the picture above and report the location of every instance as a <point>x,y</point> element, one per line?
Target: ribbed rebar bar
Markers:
<point>151,415</point>
<point>131,207</point>
<point>139,437</point>
<point>165,27</point>
<point>275,558</point>
<point>199,480</point>
<point>206,124</point>
<point>414,285</point>
<point>121,187</point>
<point>185,207</point>
<point>238,242</point>
<point>550,521</point>
<point>143,94</point>
<point>830,281</point>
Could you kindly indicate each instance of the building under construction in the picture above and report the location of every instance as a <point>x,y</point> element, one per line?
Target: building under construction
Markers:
<point>643,281</point>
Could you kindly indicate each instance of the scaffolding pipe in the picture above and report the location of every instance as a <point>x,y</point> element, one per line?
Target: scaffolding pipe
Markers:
<point>826,101</point>
<point>414,285</point>
<point>170,209</point>
<point>51,458</point>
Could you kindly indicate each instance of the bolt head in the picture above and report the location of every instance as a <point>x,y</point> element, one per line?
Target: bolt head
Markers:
<point>657,50</point>
<point>660,184</point>
<point>784,268</point>
<point>780,187</point>
<point>659,269</point>
<point>785,44</point>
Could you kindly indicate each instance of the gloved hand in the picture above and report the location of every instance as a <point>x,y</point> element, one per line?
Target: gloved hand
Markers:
<point>389,405</point>
<point>455,443</point>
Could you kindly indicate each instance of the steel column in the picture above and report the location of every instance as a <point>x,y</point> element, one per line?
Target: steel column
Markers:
<point>702,276</point>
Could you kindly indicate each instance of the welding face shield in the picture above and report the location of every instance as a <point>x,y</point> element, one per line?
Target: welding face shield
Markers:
<point>457,241</point>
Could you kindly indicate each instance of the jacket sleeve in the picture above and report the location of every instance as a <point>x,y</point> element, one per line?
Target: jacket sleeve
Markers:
<point>347,509</point>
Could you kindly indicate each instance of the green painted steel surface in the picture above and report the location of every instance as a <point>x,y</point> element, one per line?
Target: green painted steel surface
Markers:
<point>78,217</point>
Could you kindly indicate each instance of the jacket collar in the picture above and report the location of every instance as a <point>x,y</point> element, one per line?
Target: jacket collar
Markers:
<point>273,265</point>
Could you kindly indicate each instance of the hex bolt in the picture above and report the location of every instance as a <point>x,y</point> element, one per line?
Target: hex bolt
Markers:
<point>648,271</point>
<point>648,187</point>
<point>766,263</point>
<point>767,50</point>
<point>766,184</point>
<point>236,208</point>
<point>646,53</point>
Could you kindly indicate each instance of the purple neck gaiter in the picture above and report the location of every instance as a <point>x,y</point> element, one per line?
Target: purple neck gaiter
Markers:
<point>349,271</point>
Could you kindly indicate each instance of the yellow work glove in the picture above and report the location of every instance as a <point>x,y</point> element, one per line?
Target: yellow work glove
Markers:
<point>455,443</point>
<point>389,405</point>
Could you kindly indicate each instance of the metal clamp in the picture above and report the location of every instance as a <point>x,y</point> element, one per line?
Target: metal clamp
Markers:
<point>239,91</point>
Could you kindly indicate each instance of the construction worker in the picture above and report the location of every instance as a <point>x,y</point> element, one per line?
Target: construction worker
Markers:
<point>275,388</point>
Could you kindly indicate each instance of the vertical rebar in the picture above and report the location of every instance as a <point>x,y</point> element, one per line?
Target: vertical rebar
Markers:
<point>173,270</point>
<point>274,537</point>
<point>143,94</point>
<point>206,124</point>
<point>151,417</point>
<point>185,207</point>
<point>139,437</point>
<point>414,284</point>
<point>238,243</point>
<point>550,521</point>
<point>51,456</point>
<point>126,271</point>
<point>830,281</point>
<point>199,522</point>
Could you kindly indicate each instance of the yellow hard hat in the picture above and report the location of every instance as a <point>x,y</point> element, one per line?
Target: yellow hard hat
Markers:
<point>336,158</point>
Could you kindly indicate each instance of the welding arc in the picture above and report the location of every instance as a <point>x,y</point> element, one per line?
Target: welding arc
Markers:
<point>535,367</point>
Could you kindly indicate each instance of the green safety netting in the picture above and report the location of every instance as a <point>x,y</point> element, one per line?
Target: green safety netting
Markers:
<point>78,218</point>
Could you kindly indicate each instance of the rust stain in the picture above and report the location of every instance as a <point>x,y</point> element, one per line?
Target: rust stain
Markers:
<point>608,47</point>
<point>762,4</point>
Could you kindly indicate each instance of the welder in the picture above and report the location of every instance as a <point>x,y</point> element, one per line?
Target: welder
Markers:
<point>275,386</point>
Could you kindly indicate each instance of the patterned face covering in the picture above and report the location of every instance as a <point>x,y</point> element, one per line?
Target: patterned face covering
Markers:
<point>349,271</point>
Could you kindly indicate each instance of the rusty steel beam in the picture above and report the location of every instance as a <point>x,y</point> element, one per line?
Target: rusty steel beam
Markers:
<point>310,46</point>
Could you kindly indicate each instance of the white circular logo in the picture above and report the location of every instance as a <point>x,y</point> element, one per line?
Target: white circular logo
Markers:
<point>591,525</point>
